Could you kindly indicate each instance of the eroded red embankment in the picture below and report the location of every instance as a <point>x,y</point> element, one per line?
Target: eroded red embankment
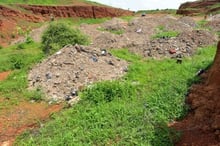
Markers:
<point>6,12</point>
<point>197,7</point>
<point>202,125</point>
<point>77,11</point>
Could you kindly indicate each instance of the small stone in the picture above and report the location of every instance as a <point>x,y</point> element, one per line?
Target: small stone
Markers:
<point>172,51</point>
<point>94,59</point>
<point>103,52</point>
<point>67,97</point>
<point>139,30</point>
<point>74,92</point>
<point>48,75</point>
<point>58,53</point>
<point>111,63</point>
<point>200,72</point>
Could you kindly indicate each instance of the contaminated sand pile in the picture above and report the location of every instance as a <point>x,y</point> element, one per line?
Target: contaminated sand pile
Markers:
<point>61,75</point>
<point>138,35</point>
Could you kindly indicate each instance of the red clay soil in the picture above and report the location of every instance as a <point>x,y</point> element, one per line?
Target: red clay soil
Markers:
<point>15,119</point>
<point>4,75</point>
<point>202,125</point>
<point>9,19</point>
<point>77,11</point>
<point>198,7</point>
<point>21,117</point>
<point>10,16</point>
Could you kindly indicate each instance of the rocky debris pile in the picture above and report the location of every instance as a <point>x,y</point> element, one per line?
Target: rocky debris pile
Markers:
<point>138,34</point>
<point>188,21</point>
<point>61,75</point>
<point>204,100</point>
<point>186,44</point>
<point>214,22</point>
<point>114,24</point>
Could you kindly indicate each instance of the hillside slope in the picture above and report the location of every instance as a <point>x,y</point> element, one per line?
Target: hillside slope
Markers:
<point>16,19</point>
<point>200,7</point>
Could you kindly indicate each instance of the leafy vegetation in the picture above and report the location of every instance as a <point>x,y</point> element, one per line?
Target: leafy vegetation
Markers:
<point>163,33</point>
<point>132,111</point>
<point>18,59</point>
<point>58,35</point>
<point>79,21</point>
<point>202,24</point>
<point>118,32</point>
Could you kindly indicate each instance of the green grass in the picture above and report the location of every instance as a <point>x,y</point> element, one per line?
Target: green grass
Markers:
<point>157,11</point>
<point>46,2</point>
<point>78,21</point>
<point>163,33</point>
<point>18,59</point>
<point>202,24</point>
<point>117,32</point>
<point>132,111</point>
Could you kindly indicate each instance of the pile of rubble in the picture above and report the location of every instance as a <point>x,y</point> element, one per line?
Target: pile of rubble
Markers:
<point>138,35</point>
<point>61,75</point>
<point>186,44</point>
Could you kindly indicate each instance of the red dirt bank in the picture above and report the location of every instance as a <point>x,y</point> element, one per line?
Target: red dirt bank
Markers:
<point>202,125</point>
<point>11,16</point>
<point>77,11</point>
<point>198,7</point>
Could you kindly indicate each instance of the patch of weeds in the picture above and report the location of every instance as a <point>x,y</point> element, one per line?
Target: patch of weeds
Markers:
<point>35,95</point>
<point>21,46</point>
<point>1,47</point>
<point>107,91</point>
<point>132,111</point>
<point>202,24</point>
<point>17,61</point>
<point>163,33</point>
<point>127,18</point>
<point>58,34</point>
<point>28,40</point>
<point>117,32</point>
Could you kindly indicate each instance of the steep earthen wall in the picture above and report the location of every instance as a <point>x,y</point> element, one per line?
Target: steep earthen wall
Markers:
<point>77,11</point>
<point>8,12</point>
<point>198,7</point>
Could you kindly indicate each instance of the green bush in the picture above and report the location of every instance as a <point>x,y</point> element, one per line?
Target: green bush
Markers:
<point>36,95</point>
<point>108,91</point>
<point>58,35</point>
<point>17,61</point>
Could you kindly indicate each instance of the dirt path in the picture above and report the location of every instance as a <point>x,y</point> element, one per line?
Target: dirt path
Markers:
<point>21,117</point>
<point>17,117</point>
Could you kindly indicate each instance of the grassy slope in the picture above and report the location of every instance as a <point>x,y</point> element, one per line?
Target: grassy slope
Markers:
<point>132,111</point>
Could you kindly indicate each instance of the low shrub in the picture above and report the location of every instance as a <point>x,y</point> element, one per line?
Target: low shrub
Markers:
<point>108,91</point>
<point>60,34</point>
